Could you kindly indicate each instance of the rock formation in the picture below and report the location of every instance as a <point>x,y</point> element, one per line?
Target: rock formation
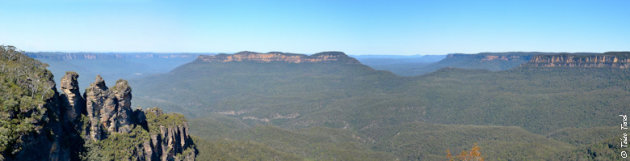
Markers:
<point>169,141</point>
<point>100,125</point>
<point>109,111</point>
<point>74,103</point>
<point>605,60</point>
<point>246,56</point>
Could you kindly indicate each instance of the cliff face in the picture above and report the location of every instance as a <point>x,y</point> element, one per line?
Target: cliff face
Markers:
<point>605,60</point>
<point>74,103</point>
<point>246,56</point>
<point>486,61</point>
<point>169,140</point>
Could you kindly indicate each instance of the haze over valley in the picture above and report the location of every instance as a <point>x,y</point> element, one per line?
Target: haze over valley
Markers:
<point>521,99</point>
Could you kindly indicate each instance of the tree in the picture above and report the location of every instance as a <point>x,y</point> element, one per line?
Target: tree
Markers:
<point>449,156</point>
<point>473,155</point>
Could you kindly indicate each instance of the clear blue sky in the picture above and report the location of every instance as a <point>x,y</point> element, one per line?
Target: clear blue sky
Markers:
<point>308,26</point>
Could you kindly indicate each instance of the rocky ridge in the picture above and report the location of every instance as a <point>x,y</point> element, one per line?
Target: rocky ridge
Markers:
<point>247,56</point>
<point>606,60</point>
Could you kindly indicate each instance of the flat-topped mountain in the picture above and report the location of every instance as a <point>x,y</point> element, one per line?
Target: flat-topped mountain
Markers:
<point>247,56</point>
<point>605,60</point>
<point>356,98</point>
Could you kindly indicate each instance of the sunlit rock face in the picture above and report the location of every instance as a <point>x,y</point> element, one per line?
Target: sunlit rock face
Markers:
<point>246,56</point>
<point>74,102</point>
<point>606,60</point>
<point>169,140</point>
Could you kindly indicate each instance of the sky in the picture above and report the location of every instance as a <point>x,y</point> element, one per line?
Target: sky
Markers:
<point>357,27</point>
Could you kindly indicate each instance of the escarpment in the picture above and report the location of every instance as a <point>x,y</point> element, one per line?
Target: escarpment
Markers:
<point>606,60</point>
<point>39,123</point>
<point>246,56</point>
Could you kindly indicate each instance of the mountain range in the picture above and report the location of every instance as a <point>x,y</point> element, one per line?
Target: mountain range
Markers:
<point>521,100</point>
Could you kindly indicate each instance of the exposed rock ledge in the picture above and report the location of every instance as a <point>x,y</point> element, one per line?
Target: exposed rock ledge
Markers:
<point>246,56</point>
<point>606,60</point>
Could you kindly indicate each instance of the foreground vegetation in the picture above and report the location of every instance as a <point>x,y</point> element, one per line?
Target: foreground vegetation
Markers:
<point>25,86</point>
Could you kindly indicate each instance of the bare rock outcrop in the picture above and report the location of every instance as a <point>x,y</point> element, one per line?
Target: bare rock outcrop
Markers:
<point>125,120</point>
<point>71,96</point>
<point>170,139</point>
<point>109,110</point>
<point>247,56</point>
<point>606,60</point>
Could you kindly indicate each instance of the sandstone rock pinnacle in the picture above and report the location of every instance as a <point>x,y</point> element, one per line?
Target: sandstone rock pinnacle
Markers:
<point>72,97</point>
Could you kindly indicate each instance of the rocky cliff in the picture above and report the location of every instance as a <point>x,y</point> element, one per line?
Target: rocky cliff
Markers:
<point>108,112</point>
<point>39,123</point>
<point>605,60</point>
<point>170,139</point>
<point>246,56</point>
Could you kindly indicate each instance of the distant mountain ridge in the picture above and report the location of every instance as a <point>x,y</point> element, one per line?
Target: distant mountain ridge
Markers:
<point>111,66</point>
<point>492,61</point>
<point>404,65</point>
<point>491,56</point>
<point>356,99</point>
<point>248,56</point>
<point>93,56</point>
<point>376,113</point>
<point>608,59</point>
